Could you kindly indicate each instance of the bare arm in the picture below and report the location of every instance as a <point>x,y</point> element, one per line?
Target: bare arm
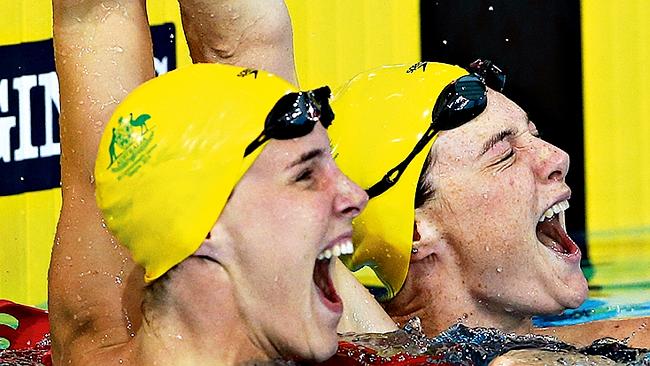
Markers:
<point>361,312</point>
<point>635,330</point>
<point>102,52</point>
<point>250,33</point>
<point>531,357</point>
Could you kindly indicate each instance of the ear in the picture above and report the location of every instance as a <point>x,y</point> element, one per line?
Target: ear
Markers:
<point>426,237</point>
<point>215,245</point>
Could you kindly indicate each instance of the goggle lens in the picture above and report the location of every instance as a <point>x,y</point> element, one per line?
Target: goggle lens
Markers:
<point>295,115</point>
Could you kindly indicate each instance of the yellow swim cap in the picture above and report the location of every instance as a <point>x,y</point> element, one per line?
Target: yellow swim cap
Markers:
<point>381,114</point>
<point>172,153</point>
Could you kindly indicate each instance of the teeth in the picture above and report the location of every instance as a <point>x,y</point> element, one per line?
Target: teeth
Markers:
<point>336,250</point>
<point>555,209</point>
<point>342,248</point>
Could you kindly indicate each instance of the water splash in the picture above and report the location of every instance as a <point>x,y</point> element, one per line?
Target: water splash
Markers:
<point>464,346</point>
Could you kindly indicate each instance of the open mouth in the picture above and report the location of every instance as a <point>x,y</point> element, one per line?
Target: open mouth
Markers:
<point>551,231</point>
<point>322,277</point>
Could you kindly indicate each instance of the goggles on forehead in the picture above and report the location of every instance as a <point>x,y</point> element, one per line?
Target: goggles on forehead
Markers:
<point>295,115</point>
<point>458,103</point>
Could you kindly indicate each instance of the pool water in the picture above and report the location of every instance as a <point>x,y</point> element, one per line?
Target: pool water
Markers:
<point>463,346</point>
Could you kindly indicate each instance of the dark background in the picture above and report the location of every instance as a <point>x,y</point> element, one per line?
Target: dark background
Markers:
<point>538,45</point>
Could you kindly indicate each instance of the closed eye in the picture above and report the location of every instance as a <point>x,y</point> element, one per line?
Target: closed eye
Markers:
<point>510,154</point>
<point>303,175</point>
<point>504,159</point>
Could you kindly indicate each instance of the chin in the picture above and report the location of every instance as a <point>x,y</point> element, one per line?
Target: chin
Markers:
<point>324,349</point>
<point>574,295</point>
<point>580,294</point>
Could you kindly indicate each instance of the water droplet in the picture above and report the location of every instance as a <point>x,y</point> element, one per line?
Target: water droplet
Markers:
<point>485,196</point>
<point>507,39</point>
<point>499,269</point>
<point>444,41</point>
<point>22,179</point>
<point>491,8</point>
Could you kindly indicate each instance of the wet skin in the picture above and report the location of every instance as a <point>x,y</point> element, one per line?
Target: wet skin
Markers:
<point>306,205</point>
<point>479,257</point>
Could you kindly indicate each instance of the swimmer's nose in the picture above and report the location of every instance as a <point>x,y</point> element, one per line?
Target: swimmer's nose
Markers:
<point>553,163</point>
<point>350,199</point>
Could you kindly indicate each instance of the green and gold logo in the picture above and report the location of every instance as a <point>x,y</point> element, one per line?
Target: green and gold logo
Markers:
<point>130,146</point>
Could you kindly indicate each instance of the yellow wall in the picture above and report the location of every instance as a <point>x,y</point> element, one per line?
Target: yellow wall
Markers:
<point>616,68</point>
<point>334,40</point>
<point>28,220</point>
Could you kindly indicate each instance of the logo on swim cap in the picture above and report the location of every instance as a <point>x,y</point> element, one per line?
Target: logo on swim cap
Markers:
<point>418,65</point>
<point>246,72</point>
<point>130,145</point>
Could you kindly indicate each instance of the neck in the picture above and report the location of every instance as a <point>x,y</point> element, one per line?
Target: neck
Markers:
<point>197,322</point>
<point>442,299</point>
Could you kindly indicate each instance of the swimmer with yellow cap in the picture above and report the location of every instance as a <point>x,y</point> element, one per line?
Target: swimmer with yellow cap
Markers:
<point>220,182</point>
<point>459,185</point>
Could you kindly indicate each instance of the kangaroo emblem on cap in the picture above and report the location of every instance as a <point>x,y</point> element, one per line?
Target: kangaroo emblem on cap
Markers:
<point>130,144</point>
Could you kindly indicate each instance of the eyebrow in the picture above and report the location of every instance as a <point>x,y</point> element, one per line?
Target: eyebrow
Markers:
<point>306,157</point>
<point>499,136</point>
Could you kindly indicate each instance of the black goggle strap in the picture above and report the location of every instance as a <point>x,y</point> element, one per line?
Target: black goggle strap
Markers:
<point>259,140</point>
<point>303,107</point>
<point>449,97</point>
<point>490,73</point>
<point>395,173</point>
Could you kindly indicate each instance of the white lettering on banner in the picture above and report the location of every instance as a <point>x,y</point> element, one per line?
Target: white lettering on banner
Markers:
<point>23,85</point>
<point>25,148</point>
<point>6,123</point>
<point>161,66</point>
<point>50,83</point>
<point>4,96</point>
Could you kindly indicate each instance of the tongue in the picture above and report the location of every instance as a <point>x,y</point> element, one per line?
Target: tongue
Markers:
<point>553,236</point>
<point>324,282</point>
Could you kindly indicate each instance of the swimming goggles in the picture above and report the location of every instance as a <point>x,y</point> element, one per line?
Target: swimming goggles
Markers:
<point>458,103</point>
<point>295,115</point>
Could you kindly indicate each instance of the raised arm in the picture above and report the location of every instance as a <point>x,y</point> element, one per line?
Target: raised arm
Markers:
<point>102,51</point>
<point>249,33</point>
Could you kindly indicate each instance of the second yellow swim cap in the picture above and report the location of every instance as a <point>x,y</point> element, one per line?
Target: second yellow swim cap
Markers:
<point>173,152</point>
<point>381,114</point>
